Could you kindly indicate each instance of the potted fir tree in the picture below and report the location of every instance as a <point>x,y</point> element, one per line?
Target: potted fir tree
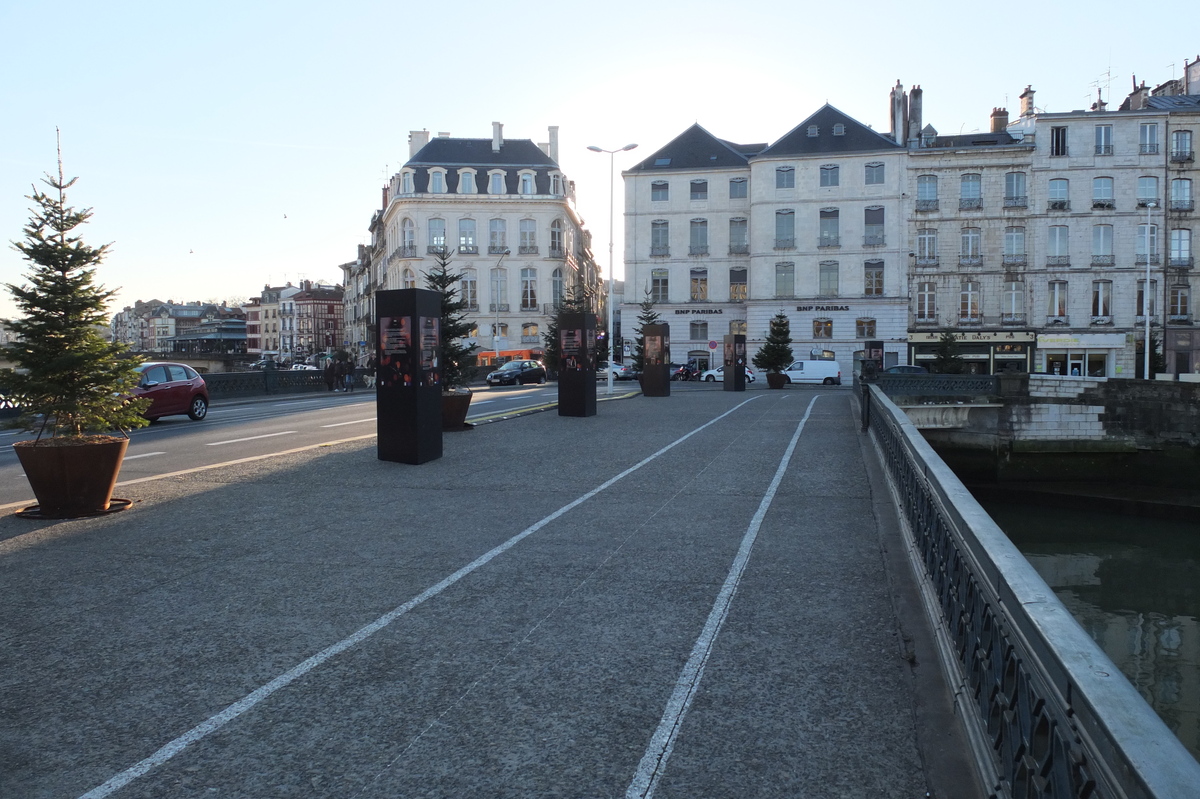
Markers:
<point>70,384</point>
<point>455,356</point>
<point>775,355</point>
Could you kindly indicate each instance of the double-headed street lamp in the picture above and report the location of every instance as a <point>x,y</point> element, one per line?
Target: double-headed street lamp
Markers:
<point>496,299</point>
<point>612,265</point>
<point>1146,293</point>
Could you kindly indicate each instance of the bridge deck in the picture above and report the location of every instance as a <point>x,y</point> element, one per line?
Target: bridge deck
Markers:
<point>694,596</point>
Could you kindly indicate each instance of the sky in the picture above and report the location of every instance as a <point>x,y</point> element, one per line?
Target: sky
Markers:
<point>224,145</point>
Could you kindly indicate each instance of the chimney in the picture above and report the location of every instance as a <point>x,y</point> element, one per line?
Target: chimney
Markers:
<point>553,151</point>
<point>497,136</point>
<point>914,115</point>
<point>1027,109</point>
<point>999,120</point>
<point>416,140</point>
<point>899,112</point>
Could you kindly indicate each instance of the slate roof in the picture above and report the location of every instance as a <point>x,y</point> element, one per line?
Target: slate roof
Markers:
<point>857,138</point>
<point>696,148</point>
<point>1174,101</point>
<point>975,140</point>
<point>445,151</point>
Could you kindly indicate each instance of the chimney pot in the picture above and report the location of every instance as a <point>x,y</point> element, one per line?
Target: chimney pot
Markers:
<point>497,136</point>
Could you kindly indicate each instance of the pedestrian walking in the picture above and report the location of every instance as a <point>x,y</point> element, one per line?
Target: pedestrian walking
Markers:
<point>330,375</point>
<point>370,375</point>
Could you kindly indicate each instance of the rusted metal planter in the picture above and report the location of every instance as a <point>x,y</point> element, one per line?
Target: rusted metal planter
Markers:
<point>72,479</point>
<point>454,411</point>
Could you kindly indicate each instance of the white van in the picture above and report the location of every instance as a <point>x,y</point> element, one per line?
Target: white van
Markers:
<point>827,372</point>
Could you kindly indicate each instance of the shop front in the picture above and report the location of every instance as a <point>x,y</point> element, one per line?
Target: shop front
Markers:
<point>1080,354</point>
<point>985,352</point>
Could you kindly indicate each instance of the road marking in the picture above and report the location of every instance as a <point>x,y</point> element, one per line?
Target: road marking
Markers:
<point>249,438</point>
<point>658,752</point>
<point>216,722</point>
<point>142,455</point>
<point>342,424</point>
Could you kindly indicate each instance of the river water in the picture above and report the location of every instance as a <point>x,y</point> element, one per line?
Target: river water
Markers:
<point>1134,585</point>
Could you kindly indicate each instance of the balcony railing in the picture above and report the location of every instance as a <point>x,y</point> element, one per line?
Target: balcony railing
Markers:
<point>436,249</point>
<point>829,241</point>
<point>927,205</point>
<point>1016,202</point>
<point>928,261</point>
<point>1058,260</point>
<point>527,249</point>
<point>971,320</point>
<point>1104,149</point>
<point>970,260</point>
<point>530,307</point>
<point>497,249</point>
<point>660,250</point>
<point>1012,319</point>
<point>925,321</point>
<point>1105,204</point>
<point>1148,149</point>
<point>468,249</point>
<point>873,241</point>
<point>1058,205</point>
<point>698,249</point>
<point>739,249</point>
<point>1179,319</point>
<point>1181,262</point>
<point>472,307</point>
<point>1015,259</point>
<point>408,251</point>
<point>1103,260</point>
<point>1182,205</point>
<point>1102,320</point>
<point>1058,321</point>
<point>1140,258</point>
<point>502,308</point>
<point>970,203</point>
<point>1144,202</point>
<point>1182,156</point>
<point>785,243</point>
<point>535,339</point>
<point>557,252</point>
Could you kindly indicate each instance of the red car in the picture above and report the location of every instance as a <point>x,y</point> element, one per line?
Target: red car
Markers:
<point>173,388</point>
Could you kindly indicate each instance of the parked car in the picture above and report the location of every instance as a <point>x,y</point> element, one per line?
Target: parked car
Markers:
<point>619,372</point>
<point>905,369</point>
<point>173,389</point>
<point>304,367</point>
<point>826,372</point>
<point>713,375</point>
<point>517,372</point>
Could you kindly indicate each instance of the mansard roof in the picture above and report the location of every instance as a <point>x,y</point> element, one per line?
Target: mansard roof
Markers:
<point>857,137</point>
<point>1174,101</point>
<point>696,148</point>
<point>445,151</point>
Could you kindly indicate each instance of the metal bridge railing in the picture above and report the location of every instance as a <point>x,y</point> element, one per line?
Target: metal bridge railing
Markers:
<point>1048,712</point>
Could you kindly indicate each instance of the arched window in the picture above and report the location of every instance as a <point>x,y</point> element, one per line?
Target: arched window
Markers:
<point>556,239</point>
<point>556,287</point>
<point>410,279</point>
<point>528,289</point>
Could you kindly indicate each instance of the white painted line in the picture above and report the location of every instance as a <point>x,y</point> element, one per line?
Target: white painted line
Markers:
<point>141,455</point>
<point>356,421</point>
<point>214,723</point>
<point>654,761</point>
<point>250,438</point>
<point>481,402</point>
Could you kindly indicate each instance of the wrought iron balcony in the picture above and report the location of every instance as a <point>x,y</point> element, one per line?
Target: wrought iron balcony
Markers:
<point>1102,320</point>
<point>1182,156</point>
<point>1148,149</point>
<point>975,320</point>
<point>739,249</point>
<point>829,241</point>
<point>497,249</point>
<point>928,261</point>
<point>1012,319</point>
<point>530,307</point>
<point>503,308</point>
<point>1144,202</point>
<point>1104,204</point>
<point>1103,260</point>
<point>698,249</point>
<point>1181,262</point>
<point>785,243</point>
<point>408,251</point>
<point>659,250</point>
<point>1104,149</point>
<point>970,203</point>
<point>437,249</point>
<point>1058,321</point>
<point>531,339</point>
<point>1058,205</point>
<point>468,249</point>
<point>527,249</point>
<point>1015,259</point>
<point>472,307</point>
<point>970,260</point>
<point>557,252</point>
<point>1058,260</point>
<point>1015,201</point>
<point>873,241</point>
<point>1179,319</point>
<point>1140,258</point>
<point>927,205</point>
<point>925,321</point>
<point>1182,205</point>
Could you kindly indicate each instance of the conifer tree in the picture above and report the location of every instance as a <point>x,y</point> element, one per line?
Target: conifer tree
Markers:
<point>454,356</point>
<point>647,316</point>
<point>775,354</point>
<point>947,360</point>
<point>69,382</point>
<point>573,301</point>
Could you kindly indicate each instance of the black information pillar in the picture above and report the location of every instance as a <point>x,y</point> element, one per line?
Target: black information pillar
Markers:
<point>656,366</point>
<point>735,362</point>
<point>408,396</point>
<point>577,364</point>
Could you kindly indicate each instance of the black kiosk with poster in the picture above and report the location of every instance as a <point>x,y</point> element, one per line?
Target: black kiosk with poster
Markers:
<point>408,384</point>
<point>577,364</point>
<point>656,365</point>
<point>735,362</point>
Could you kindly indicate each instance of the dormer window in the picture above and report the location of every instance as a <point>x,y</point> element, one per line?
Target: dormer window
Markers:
<point>406,183</point>
<point>839,129</point>
<point>496,183</point>
<point>814,131</point>
<point>556,184</point>
<point>527,184</point>
<point>466,182</point>
<point>437,181</point>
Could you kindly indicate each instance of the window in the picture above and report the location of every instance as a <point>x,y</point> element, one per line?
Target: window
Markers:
<point>499,290</point>
<point>529,332</point>
<point>556,184</point>
<point>497,236</point>
<point>698,331</point>
<point>496,183</point>
<point>1147,190</point>
<point>737,284</point>
<point>785,229</point>
<point>1180,306</point>
<point>527,184</point>
<point>1148,138</point>
<point>1012,304</point>
<point>437,182</point>
<point>1181,194</point>
<point>658,285</point>
<point>469,284</point>
<point>927,247</point>
<point>873,227</point>
<point>698,241</point>
<point>659,191</point>
<point>737,327</point>
<point>1104,145</point>
<point>830,231</point>
<point>968,302</point>
<point>1181,247</point>
<point>528,233</point>
<point>466,236</point>
<point>660,237</point>
<point>408,236</point>
<point>1014,243</point>
<point>437,235</point>
<point>1058,141</point>
<point>971,241</point>
<point>827,273</point>
<point>927,193</point>
<point>409,279</point>
<point>839,129</point>
<point>1101,299</point>
<point>785,177</point>
<point>699,190</point>
<point>699,285</point>
<point>737,188</point>
<point>785,279</point>
<point>864,328</point>
<point>970,193</point>
<point>500,331</point>
<point>556,287</point>
<point>874,173</point>
<point>829,175</point>
<point>1057,299</point>
<point>1059,195</point>
<point>1181,145</point>
<point>739,236</point>
<point>406,183</point>
<point>927,302</point>
<point>528,289</point>
<point>813,130</point>
<point>873,278</point>
<point>1142,299</point>
<point>1102,242</point>
<point>556,239</point>
<point>822,328</point>
<point>1058,243</point>
<point>466,182</point>
<point>1014,190</point>
<point>1147,243</point>
<point>1102,193</point>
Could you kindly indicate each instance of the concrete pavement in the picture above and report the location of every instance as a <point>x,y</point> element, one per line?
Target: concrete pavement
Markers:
<point>695,596</point>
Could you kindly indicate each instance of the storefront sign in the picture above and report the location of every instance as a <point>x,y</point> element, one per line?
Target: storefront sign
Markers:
<point>1085,340</point>
<point>822,307</point>
<point>698,311</point>
<point>981,336</point>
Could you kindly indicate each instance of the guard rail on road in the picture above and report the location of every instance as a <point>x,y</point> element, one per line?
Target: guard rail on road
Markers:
<point>1049,713</point>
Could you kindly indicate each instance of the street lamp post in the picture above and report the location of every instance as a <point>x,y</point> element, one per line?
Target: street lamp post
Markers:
<point>1146,296</point>
<point>496,300</point>
<point>612,265</point>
